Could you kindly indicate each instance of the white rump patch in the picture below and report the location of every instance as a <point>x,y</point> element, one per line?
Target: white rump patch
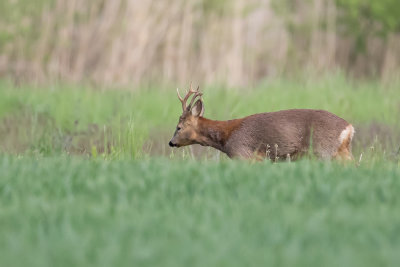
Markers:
<point>346,133</point>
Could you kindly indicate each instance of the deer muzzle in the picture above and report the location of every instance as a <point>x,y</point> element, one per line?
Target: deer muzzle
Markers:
<point>171,144</point>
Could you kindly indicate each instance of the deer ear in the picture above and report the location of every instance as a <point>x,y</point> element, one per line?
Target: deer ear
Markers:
<point>198,108</point>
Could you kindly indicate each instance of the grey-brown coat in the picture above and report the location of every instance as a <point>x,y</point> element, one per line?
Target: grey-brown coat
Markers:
<point>275,135</point>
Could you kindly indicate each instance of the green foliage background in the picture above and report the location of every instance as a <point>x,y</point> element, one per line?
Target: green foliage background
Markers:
<point>18,20</point>
<point>366,17</point>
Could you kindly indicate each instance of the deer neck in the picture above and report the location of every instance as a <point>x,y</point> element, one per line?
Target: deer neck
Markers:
<point>216,133</point>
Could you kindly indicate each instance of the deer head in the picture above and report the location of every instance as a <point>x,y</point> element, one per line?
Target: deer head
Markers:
<point>186,131</point>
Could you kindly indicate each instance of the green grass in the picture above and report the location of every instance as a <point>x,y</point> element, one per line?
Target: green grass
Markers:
<point>59,119</point>
<point>75,212</point>
<point>79,185</point>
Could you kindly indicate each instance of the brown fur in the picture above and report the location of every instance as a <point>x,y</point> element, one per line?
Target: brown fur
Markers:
<point>276,135</point>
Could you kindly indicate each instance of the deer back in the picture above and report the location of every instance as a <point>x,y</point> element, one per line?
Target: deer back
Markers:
<point>287,132</point>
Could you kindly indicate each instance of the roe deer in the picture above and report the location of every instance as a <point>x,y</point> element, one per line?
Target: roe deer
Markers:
<point>275,135</point>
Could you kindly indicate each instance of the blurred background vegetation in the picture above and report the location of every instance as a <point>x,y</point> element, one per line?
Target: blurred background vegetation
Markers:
<point>235,42</point>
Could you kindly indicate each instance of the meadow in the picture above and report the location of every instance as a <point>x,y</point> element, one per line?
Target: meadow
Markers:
<point>67,211</point>
<point>136,122</point>
<point>87,179</point>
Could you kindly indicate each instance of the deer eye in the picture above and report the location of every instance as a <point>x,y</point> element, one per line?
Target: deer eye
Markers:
<point>178,128</point>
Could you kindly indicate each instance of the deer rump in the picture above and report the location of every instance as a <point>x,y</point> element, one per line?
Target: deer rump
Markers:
<point>291,133</point>
<point>274,135</point>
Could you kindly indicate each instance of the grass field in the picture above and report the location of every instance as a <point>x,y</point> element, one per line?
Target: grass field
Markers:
<point>133,122</point>
<point>87,179</point>
<point>160,212</point>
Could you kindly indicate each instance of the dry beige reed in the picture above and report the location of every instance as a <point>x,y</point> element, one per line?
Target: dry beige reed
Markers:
<point>238,42</point>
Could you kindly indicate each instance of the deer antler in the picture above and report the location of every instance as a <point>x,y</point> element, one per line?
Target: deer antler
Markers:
<point>188,94</point>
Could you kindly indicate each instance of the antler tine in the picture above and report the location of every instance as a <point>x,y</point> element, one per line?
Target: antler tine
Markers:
<point>188,94</point>
<point>197,93</point>
<point>185,99</point>
<point>179,96</point>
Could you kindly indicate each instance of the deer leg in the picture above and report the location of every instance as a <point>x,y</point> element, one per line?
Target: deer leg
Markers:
<point>343,155</point>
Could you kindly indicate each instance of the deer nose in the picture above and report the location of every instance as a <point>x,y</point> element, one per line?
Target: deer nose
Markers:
<point>171,144</point>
